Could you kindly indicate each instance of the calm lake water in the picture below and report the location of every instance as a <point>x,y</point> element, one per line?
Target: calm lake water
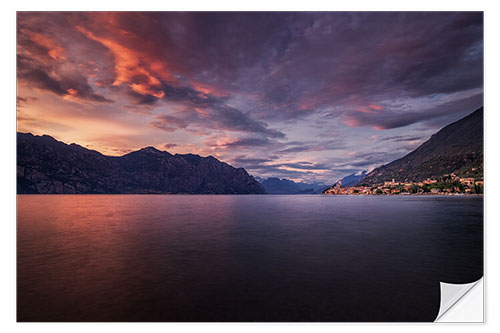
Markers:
<point>243,257</point>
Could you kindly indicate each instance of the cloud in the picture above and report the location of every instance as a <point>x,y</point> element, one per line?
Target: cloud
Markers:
<point>234,119</point>
<point>368,160</point>
<point>278,169</point>
<point>43,62</point>
<point>216,116</point>
<point>241,82</point>
<point>292,63</point>
<point>21,101</point>
<point>64,86</point>
<point>245,160</point>
<point>129,68</point>
<point>389,119</point>
<point>245,142</point>
<point>51,47</point>
<point>168,123</point>
<point>169,145</point>
<point>387,56</point>
<point>401,138</point>
<point>312,146</point>
<point>306,166</point>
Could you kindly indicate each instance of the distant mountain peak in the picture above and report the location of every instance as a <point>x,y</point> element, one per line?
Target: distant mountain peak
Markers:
<point>150,149</point>
<point>274,185</point>
<point>352,179</point>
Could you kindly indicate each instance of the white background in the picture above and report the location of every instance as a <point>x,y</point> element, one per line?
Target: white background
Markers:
<point>8,158</point>
<point>469,308</point>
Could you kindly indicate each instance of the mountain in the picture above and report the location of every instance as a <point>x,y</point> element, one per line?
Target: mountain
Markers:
<point>353,179</point>
<point>456,148</point>
<point>45,165</point>
<point>286,186</point>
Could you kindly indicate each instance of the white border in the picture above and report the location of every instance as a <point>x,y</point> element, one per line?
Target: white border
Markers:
<point>7,162</point>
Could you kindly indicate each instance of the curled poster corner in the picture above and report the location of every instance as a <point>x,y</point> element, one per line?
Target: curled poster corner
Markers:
<point>461,302</point>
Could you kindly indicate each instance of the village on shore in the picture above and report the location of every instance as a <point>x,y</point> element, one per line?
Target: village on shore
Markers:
<point>445,185</point>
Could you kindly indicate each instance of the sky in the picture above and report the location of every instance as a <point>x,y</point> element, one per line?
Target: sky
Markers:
<point>310,96</point>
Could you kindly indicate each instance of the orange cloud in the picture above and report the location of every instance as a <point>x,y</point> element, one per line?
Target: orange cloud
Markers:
<point>371,108</point>
<point>364,110</point>
<point>201,112</point>
<point>207,89</point>
<point>375,107</point>
<point>72,95</point>
<point>129,66</point>
<point>53,49</point>
<point>72,91</point>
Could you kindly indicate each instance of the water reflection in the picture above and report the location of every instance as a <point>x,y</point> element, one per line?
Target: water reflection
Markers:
<point>242,258</point>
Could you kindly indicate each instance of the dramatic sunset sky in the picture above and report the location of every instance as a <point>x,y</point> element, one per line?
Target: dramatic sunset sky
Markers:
<point>303,96</point>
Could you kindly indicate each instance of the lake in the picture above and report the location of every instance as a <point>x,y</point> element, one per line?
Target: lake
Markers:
<point>243,257</point>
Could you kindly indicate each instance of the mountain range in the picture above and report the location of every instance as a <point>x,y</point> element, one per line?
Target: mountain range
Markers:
<point>456,148</point>
<point>286,186</point>
<point>45,165</point>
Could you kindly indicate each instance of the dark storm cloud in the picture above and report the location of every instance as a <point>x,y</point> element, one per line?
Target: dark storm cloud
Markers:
<point>441,114</point>
<point>169,123</point>
<point>220,117</point>
<point>176,94</point>
<point>293,62</point>
<point>307,166</point>
<point>452,111</point>
<point>21,101</point>
<point>248,142</point>
<point>250,161</point>
<point>42,62</point>
<point>236,120</point>
<point>169,145</point>
<point>361,58</point>
<point>296,149</point>
<point>204,109</point>
<point>310,146</point>
<point>401,138</point>
<point>144,100</point>
<point>63,85</point>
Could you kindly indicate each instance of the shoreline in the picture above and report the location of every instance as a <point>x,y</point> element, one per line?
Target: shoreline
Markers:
<point>410,194</point>
<point>265,194</point>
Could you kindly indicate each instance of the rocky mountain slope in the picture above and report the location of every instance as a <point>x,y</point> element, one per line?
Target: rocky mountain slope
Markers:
<point>45,165</point>
<point>456,148</point>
